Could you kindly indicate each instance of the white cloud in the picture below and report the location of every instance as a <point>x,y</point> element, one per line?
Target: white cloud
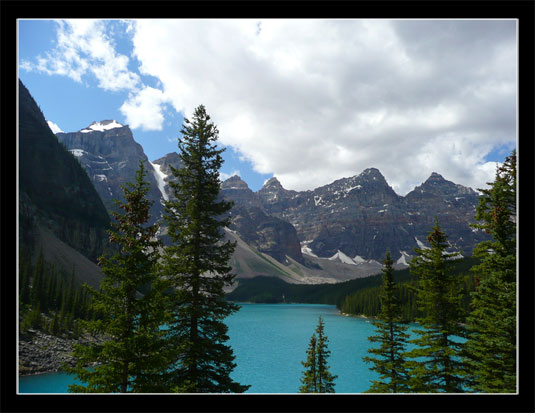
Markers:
<point>314,100</point>
<point>144,109</point>
<point>311,101</point>
<point>83,47</point>
<point>53,127</point>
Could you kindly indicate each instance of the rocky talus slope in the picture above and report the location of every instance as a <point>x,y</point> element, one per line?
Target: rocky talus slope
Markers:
<point>40,352</point>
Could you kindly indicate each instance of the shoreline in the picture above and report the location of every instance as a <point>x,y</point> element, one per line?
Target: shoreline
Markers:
<point>357,316</point>
<point>42,353</point>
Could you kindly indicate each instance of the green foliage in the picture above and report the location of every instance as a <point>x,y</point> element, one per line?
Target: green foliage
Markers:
<point>24,275</point>
<point>45,293</point>
<point>131,359</point>
<point>55,325</point>
<point>317,377</point>
<point>309,375</point>
<point>262,288</point>
<point>491,349</point>
<point>359,296</point>
<point>365,301</point>
<point>392,339</point>
<point>197,265</point>
<point>37,294</point>
<point>436,366</point>
<point>33,319</point>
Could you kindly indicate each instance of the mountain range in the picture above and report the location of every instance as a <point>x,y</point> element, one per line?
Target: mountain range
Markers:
<point>335,232</point>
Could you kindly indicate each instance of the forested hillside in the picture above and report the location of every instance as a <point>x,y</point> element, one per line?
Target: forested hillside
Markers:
<point>360,296</point>
<point>366,301</point>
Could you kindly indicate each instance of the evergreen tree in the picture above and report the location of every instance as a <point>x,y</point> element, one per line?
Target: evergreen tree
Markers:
<point>439,294</point>
<point>71,293</point>
<point>54,325</point>
<point>325,378</point>
<point>25,269</point>
<point>33,319</point>
<point>77,303</point>
<point>197,264</point>
<point>37,292</point>
<point>63,309</point>
<point>317,377</point>
<point>309,381</point>
<point>58,299</point>
<point>392,339</point>
<point>491,349</point>
<point>131,359</point>
<point>51,287</point>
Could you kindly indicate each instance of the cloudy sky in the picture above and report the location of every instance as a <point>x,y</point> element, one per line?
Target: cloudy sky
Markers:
<point>308,101</point>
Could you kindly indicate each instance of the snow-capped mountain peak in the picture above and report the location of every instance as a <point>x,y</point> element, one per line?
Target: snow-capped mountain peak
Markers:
<point>53,127</point>
<point>102,126</point>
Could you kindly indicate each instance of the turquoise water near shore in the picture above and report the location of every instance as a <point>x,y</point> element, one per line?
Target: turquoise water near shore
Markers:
<point>269,342</point>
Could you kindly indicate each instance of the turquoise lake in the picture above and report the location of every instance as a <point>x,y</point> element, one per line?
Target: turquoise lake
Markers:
<point>269,342</point>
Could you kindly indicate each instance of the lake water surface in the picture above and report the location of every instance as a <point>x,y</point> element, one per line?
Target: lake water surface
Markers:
<point>269,342</point>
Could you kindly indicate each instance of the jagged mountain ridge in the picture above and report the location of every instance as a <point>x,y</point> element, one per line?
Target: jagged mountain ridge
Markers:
<point>351,220</point>
<point>362,216</point>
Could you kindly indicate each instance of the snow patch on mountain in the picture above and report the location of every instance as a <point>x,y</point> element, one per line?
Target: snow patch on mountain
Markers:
<point>458,256</point>
<point>340,256</point>
<point>53,127</point>
<point>305,249</point>
<point>345,191</point>
<point>77,152</point>
<point>421,245</point>
<point>308,251</point>
<point>102,126</point>
<point>160,179</point>
<point>403,259</point>
<point>101,177</point>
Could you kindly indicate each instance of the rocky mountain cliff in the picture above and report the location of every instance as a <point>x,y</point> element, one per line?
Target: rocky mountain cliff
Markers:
<point>110,155</point>
<point>355,220</point>
<point>351,221</point>
<point>60,211</point>
<point>269,234</point>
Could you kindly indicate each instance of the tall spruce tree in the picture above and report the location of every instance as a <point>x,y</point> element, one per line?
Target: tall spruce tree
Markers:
<point>37,291</point>
<point>197,265</point>
<point>25,267</point>
<point>390,334</point>
<point>308,379</point>
<point>131,357</point>
<point>317,378</point>
<point>491,349</point>
<point>438,366</point>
